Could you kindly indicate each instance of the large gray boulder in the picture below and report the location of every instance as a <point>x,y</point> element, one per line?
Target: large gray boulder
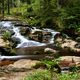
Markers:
<point>33,49</point>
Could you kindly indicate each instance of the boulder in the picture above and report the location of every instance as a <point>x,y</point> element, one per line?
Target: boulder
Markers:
<point>69,61</point>
<point>3,43</point>
<point>24,30</point>
<point>33,49</point>
<point>68,47</point>
<point>11,32</point>
<point>5,47</point>
<point>36,35</point>
<point>24,63</point>
<point>15,40</point>
<point>46,50</point>
<point>40,35</point>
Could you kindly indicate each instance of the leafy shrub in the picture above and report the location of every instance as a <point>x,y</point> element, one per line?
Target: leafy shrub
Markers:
<point>49,65</point>
<point>6,35</point>
<point>52,65</point>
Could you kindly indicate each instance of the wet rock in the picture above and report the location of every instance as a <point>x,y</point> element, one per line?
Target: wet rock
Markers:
<point>32,49</point>
<point>14,41</point>
<point>5,48</point>
<point>11,32</point>
<point>46,36</point>
<point>25,30</point>
<point>36,35</point>
<point>5,51</point>
<point>40,35</point>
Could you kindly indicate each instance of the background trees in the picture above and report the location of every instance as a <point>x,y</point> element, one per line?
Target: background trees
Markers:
<point>58,14</point>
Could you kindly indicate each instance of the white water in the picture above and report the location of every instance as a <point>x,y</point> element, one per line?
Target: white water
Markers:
<point>53,34</point>
<point>5,24</point>
<point>24,42</point>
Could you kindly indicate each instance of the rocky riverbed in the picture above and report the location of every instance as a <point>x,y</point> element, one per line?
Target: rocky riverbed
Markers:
<point>17,70</point>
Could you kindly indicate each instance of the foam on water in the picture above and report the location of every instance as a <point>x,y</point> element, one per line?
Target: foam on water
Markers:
<point>53,34</point>
<point>24,42</point>
<point>5,24</point>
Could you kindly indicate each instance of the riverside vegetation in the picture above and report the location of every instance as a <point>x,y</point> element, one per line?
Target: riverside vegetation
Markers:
<point>59,15</point>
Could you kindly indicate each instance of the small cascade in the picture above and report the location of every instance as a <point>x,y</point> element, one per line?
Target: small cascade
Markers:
<point>25,42</point>
<point>53,34</point>
<point>18,35</point>
<point>5,24</point>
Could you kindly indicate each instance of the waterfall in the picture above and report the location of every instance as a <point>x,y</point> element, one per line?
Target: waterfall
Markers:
<point>53,34</point>
<point>25,42</point>
<point>5,24</point>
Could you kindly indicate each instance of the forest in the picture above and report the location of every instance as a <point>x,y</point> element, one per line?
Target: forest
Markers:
<point>56,14</point>
<point>49,30</point>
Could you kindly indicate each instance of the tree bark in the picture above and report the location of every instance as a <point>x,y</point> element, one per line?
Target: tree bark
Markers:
<point>8,6</point>
<point>3,8</point>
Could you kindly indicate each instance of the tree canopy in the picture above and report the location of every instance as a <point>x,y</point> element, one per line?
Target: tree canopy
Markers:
<point>57,14</point>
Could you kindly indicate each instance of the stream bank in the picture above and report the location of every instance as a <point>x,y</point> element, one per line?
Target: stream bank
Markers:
<point>62,47</point>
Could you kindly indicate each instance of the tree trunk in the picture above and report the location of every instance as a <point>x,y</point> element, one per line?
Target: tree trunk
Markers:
<point>8,5</point>
<point>3,8</point>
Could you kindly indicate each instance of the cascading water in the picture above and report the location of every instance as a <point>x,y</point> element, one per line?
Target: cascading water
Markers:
<point>6,24</point>
<point>25,42</point>
<point>53,34</point>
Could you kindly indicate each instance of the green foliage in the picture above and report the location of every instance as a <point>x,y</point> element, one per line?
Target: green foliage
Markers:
<point>57,14</point>
<point>39,75</point>
<point>74,69</point>
<point>46,75</point>
<point>50,63</point>
<point>6,35</point>
<point>75,76</point>
<point>52,66</point>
